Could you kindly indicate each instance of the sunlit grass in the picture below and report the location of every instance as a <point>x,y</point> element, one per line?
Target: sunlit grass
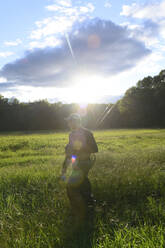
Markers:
<point>128,183</point>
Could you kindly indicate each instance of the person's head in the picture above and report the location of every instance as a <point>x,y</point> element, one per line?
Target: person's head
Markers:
<point>74,121</point>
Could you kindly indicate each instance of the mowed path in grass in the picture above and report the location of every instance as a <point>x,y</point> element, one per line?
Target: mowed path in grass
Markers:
<point>128,182</point>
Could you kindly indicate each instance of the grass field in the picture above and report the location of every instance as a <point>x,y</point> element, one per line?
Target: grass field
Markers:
<point>128,183</point>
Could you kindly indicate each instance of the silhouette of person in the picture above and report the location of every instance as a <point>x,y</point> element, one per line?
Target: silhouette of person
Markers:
<point>78,153</point>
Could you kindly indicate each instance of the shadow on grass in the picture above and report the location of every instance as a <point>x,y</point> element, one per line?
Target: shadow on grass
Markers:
<point>80,236</point>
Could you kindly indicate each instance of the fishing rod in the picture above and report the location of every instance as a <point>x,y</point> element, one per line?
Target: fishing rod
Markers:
<point>105,114</point>
<point>102,115</point>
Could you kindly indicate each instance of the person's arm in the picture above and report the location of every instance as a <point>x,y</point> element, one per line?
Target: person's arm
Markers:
<point>66,161</point>
<point>65,166</point>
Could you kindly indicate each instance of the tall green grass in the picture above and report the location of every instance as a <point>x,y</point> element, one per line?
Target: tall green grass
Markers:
<point>128,182</point>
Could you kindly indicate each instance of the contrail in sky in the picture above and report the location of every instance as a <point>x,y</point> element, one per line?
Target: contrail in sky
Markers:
<point>70,47</point>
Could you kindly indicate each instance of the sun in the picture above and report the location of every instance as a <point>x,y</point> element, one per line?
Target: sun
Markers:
<point>86,89</point>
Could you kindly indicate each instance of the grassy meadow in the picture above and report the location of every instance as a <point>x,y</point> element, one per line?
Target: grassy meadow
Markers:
<point>128,182</point>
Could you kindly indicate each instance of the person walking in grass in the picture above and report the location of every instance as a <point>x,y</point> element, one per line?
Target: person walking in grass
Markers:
<point>78,153</point>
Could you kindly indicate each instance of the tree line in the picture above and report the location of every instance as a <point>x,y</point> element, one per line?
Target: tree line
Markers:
<point>142,106</point>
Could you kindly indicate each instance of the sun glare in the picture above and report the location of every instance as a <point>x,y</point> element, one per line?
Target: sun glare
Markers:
<point>82,90</point>
<point>86,89</point>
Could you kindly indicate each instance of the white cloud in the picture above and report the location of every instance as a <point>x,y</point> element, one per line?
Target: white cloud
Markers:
<point>151,29</point>
<point>162,28</point>
<point>49,41</point>
<point>6,54</point>
<point>87,9</point>
<point>101,47</point>
<point>70,9</point>
<point>150,65</point>
<point>107,4</point>
<point>154,11</point>
<point>2,80</point>
<point>66,3</point>
<point>65,15</point>
<point>52,26</point>
<point>147,32</point>
<point>13,43</point>
<point>54,7</point>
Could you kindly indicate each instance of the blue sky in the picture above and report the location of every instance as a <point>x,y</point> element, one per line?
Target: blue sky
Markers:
<point>116,43</point>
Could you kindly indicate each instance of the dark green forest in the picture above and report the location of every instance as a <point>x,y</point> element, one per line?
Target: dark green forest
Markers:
<point>142,106</point>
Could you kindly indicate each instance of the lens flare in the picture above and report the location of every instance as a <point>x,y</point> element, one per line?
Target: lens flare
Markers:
<point>94,41</point>
<point>73,159</point>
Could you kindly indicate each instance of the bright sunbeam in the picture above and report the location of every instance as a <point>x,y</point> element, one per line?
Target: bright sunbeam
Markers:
<point>86,89</point>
